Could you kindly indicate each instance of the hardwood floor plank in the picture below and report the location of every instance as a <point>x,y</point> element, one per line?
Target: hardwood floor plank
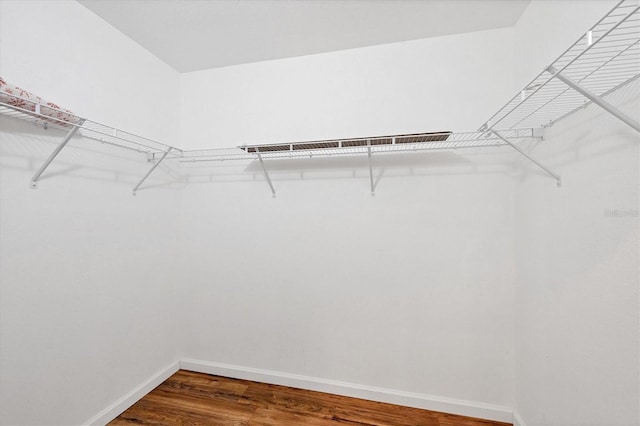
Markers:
<point>152,413</point>
<point>218,408</point>
<point>339,408</point>
<point>270,417</point>
<point>453,420</point>
<point>208,387</point>
<point>188,398</point>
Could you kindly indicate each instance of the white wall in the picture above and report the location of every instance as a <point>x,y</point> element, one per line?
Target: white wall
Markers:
<point>409,290</point>
<point>577,335</point>
<point>547,28</point>
<point>577,289</point>
<point>64,53</point>
<point>86,278</point>
<point>306,98</point>
<point>364,91</point>
<point>86,270</point>
<point>444,83</point>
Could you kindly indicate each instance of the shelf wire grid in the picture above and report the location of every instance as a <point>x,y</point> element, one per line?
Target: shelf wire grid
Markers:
<point>359,146</point>
<point>49,117</point>
<point>606,58</point>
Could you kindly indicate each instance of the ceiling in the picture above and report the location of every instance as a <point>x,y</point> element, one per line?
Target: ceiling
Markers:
<point>192,35</point>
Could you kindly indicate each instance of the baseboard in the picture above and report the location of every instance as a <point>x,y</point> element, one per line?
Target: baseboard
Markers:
<point>427,402</point>
<point>517,420</point>
<point>118,407</point>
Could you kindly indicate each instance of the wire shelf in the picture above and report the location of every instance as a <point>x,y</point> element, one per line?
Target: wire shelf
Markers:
<point>359,146</point>
<point>50,117</point>
<point>604,59</point>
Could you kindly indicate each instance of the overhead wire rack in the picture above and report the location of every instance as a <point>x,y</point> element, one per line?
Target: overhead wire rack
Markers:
<point>49,116</point>
<point>606,58</point>
<point>603,60</point>
<point>45,116</point>
<point>357,146</point>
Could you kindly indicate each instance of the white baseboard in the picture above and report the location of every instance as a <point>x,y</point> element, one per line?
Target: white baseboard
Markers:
<point>517,420</point>
<point>118,407</point>
<point>427,402</point>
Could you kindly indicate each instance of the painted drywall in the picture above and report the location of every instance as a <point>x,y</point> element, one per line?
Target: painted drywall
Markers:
<point>223,33</point>
<point>577,305</point>
<point>577,263</point>
<point>547,28</point>
<point>410,289</point>
<point>265,259</point>
<point>86,277</point>
<point>64,53</point>
<point>86,270</point>
<point>444,83</point>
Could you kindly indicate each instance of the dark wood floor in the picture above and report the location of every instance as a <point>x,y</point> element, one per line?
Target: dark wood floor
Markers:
<point>188,398</point>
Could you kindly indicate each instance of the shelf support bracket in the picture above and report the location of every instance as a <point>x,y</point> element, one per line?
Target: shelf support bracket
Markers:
<point>524,154</point>
<point>146,175</point>
<point>54,154</point>
<point>594,98</point>
<point>370,168</point>
<point>266,174</point>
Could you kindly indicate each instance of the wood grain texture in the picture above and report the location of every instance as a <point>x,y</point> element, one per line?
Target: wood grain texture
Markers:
<point>188,398</point>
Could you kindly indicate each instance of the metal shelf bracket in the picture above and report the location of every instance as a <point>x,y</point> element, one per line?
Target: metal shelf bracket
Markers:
<point>373,190</point>
<point>266,174</point>
<point>146,175</point>
<point>505,140</point>
<point>54,154</point>
<point>594,98</point>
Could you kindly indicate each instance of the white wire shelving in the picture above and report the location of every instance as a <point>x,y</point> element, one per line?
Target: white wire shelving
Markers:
<point>51,117</point>
<point>603,60</point>
<point>357,146</point>
<point>606,58</point>
<point>156,152</point>
<point>44,116</point>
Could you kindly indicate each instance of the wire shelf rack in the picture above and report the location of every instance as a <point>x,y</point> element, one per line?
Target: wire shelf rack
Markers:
<point>604,59</point>
<point>358,146</point>
<point>50,117</point>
